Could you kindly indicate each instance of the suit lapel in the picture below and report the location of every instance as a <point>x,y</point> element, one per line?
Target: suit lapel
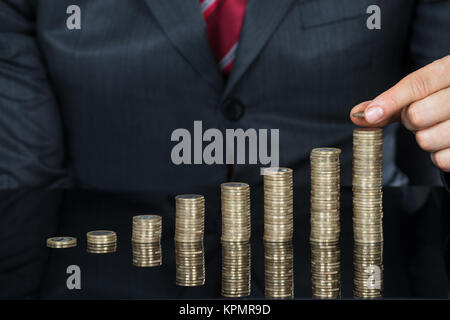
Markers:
<point>183,24</point>
<point>261,20</point>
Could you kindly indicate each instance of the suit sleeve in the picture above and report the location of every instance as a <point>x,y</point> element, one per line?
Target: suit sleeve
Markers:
<point>31,144</point>
<point>430,39</point>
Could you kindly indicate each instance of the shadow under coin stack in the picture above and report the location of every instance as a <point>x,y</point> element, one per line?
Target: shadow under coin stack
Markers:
<point>61,242</point>
<point>146,240</point>
<point>189,230</point>
<point>325,223</point>
<point>101,241</point>
<point>367,213</point>
<point>278,232</point>
<point>236,232</point>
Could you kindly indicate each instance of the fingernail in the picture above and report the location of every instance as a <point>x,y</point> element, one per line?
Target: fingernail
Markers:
<point>374,114</point>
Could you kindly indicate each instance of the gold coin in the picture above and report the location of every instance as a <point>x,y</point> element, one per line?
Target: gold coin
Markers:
<point>61,242</point>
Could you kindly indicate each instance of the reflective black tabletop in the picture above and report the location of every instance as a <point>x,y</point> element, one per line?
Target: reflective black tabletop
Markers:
<point>416,233</point>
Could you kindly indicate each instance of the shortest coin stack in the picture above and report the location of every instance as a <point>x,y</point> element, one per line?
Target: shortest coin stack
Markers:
<point>61,242</point>
<point>146,240</point>
<point>279,270</point>
<point>101,241</point>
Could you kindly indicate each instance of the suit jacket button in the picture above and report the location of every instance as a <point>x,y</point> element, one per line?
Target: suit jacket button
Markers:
<point>233,110</point>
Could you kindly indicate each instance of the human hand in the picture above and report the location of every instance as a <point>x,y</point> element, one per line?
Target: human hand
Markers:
<point>421,101</point>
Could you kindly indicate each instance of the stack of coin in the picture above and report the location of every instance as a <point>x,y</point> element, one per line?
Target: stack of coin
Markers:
<point>101,241</point>
<point>236,231</point>
<point>278,205</point>
<point>279,270</point>
<point>146,240</point>
<point>235,212</point>
<point>61,242</point>
<point>368,213</point>
<point>189,231</point>
<point>278,233</point>
<point>325,223</point>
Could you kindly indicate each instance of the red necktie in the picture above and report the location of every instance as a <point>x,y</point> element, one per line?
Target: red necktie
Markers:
<point>224,20</point>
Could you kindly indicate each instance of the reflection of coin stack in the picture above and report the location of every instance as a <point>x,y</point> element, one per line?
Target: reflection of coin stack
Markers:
<point>189,229</point>
<point>278,232</point>
<point>146,240</point>
<point>101,241</point>
<point>61,242</point>
<point>278,270</point>
<point>325,225</point>
<point>367,213</point>
<point>236,231</point>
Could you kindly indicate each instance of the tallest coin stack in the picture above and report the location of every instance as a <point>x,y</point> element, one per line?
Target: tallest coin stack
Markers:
<point>367,213</point>
<point>278,232</point>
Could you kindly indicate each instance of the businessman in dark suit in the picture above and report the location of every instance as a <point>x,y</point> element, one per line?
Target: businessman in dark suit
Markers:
<point>93,102</point>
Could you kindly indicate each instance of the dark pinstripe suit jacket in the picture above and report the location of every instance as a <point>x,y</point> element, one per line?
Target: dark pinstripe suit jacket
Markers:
<point>99,104</point>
